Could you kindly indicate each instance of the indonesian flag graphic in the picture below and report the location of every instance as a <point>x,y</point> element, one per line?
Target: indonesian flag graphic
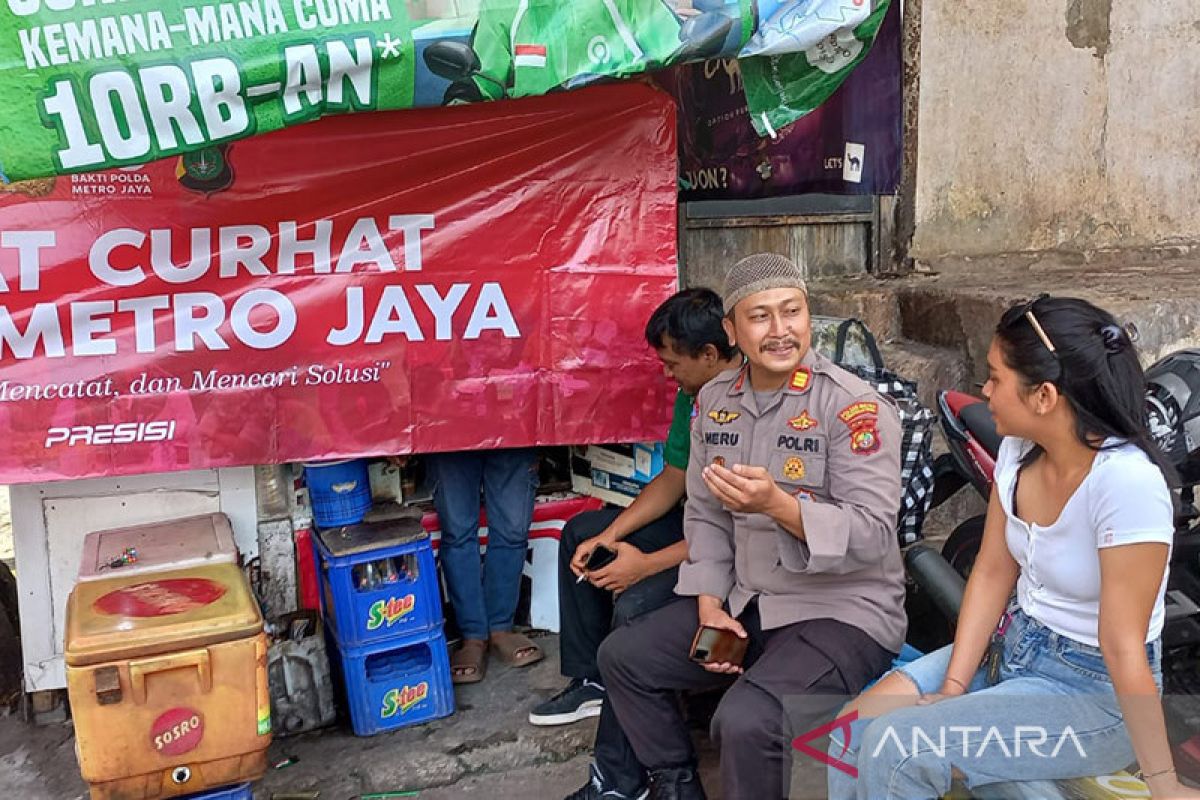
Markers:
<point>530,55</point>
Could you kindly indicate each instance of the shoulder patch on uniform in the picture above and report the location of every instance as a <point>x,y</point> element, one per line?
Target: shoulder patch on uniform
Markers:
<point>801,380</point>
<point>862,418</point>
<point>803,422</point>
<point>864,439</point>
<point>723,417</point>
<point>855,411</point>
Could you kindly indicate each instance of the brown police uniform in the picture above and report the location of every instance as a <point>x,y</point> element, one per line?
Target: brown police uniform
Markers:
<point>825,614</point>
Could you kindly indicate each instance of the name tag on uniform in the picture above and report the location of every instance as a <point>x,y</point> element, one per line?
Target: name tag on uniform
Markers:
<point>722,439</point>
<point>529,55</point>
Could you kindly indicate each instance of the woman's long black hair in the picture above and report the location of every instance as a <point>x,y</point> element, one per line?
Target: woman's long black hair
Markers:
<point>1094,365</point>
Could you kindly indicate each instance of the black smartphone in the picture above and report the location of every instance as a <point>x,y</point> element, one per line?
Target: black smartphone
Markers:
<point>600,558</point>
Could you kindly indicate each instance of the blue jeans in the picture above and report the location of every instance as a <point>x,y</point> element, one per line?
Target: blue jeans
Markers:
<point>1049,686</point>
<point>485,595</point>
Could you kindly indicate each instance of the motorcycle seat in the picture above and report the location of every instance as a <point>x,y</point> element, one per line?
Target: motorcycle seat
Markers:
<point>978,420</point>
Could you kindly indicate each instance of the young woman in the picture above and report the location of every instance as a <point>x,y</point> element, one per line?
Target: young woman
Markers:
<point>1080,524</point>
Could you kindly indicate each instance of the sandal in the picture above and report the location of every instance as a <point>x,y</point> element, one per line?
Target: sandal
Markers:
<point>468,664</point>
<point>515,649</point>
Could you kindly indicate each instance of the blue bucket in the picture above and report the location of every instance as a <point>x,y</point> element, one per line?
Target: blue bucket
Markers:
<point>340,492</point>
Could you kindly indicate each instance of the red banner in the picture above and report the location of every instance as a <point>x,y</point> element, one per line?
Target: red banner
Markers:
<point>451,279</point>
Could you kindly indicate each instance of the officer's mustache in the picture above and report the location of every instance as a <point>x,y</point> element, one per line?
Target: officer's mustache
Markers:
<point>772,343</point>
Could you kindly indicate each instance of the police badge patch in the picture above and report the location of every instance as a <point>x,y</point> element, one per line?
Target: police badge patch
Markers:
<point>723,417</point>
<point>863,421</point>
<point>856,410</point>
<point>793,468</point>
<point>864,440</point>
<point>802,423</point>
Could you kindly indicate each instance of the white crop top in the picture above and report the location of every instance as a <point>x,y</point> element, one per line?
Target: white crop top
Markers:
<point>1124,499</point>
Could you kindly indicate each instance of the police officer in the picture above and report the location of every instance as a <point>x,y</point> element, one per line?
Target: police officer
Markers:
<point>793,491</point>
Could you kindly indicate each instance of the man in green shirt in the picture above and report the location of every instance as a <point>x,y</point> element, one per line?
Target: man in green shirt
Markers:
<point>529,47</point>
<point>647,537</point>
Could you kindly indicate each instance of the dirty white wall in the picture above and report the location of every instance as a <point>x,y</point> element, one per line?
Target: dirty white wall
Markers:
<point>1070,124</point>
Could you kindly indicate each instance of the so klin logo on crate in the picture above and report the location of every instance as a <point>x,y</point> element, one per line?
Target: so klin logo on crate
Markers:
<point>390,611</point>
<point>401,701</point>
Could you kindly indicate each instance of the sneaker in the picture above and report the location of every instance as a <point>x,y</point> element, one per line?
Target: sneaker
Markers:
<point>580,700</point>
<point>594,790</point>
<point>681,783</point>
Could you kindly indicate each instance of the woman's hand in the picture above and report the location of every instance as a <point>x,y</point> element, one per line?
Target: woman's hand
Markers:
<point>950,688</point>
<point>1168,787</point>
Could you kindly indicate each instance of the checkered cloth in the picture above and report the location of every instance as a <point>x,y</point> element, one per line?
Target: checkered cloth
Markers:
<point>916,454</point>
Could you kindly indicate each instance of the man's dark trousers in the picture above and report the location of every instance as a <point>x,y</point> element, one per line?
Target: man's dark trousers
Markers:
<point>588,614</point>
<point>646,662</point>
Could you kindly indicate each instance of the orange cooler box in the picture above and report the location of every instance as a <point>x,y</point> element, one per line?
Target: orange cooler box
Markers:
<point>167,675</point>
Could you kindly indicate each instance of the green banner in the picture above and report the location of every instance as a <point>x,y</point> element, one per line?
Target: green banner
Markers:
<point>94,84</point>
<point>102,84</point>
<point>781,89</point>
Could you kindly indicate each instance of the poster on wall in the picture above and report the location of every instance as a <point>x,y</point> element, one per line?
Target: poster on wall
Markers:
<point>93,84</point>
<point>851,144</point>
<point>482,281</point>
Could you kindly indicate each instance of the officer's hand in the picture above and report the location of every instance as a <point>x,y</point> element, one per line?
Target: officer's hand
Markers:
<point>629,567</point>
<point>584,551</point>
<point>744,488</point>
<point>713,615</point>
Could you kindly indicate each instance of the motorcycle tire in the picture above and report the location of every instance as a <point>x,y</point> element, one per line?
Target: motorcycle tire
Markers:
<point>962,547</point>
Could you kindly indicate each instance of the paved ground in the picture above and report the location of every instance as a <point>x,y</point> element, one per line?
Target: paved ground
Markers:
<point>487,749</point>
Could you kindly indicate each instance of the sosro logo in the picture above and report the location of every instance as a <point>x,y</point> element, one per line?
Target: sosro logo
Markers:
<point>119,433</point>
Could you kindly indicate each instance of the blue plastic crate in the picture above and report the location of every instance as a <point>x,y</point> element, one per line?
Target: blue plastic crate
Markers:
<point>378,581</point>
<point>239,792</point>
<point>340,492</point>
<point>396,683</point>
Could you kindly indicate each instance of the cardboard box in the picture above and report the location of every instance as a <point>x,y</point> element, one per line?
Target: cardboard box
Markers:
<point>615,473</point>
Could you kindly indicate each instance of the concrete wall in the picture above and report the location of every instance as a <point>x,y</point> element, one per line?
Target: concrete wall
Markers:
<point>1070,124</point>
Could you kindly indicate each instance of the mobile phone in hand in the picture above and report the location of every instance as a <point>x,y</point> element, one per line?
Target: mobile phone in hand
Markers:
<point>716,646</point>
<point>600,558</point>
